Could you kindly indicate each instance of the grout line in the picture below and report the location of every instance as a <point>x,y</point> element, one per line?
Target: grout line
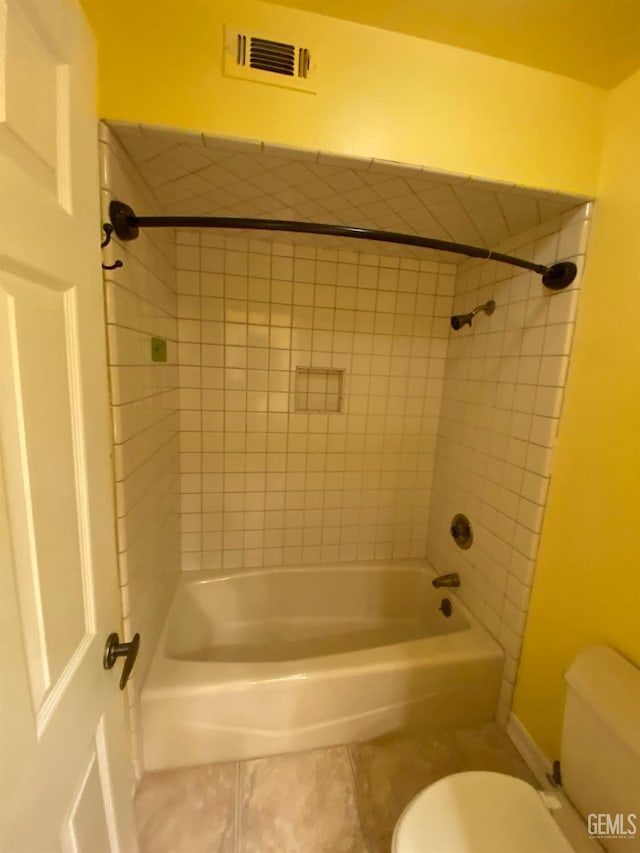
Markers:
<point>236,829</point>
<point>366,834</point>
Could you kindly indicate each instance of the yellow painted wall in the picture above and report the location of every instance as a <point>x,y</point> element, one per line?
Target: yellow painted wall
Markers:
<point>587,586</point>
<point>381,94</point>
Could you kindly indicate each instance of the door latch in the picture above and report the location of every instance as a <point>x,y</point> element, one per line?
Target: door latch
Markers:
<point>114,649</point>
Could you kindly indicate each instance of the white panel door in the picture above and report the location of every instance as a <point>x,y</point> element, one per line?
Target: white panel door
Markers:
<point>66,780</point>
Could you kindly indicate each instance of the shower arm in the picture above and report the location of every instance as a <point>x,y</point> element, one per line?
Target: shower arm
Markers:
<point>126,226</point>
<point>488,308</point>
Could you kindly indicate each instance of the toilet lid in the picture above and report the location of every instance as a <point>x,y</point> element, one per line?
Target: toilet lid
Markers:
<point>478,812</point>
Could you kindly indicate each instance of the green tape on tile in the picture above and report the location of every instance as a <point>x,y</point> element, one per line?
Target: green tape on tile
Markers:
<point>158,349</point>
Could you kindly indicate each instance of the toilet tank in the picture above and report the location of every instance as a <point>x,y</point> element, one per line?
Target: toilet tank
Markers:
<point>600,755</point>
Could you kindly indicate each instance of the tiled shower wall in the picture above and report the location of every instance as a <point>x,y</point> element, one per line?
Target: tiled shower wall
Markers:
<point>140,303</point>
<point>263,484</point>
<point>502,396</point>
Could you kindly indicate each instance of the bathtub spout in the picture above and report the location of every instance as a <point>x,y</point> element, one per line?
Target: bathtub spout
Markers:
<point>450,580</point>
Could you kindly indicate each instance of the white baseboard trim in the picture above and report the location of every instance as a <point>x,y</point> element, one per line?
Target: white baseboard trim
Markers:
<point>533,756</point>
<point>567,817</point>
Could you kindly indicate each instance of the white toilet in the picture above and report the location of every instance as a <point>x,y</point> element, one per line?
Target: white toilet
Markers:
<point>480,812</point>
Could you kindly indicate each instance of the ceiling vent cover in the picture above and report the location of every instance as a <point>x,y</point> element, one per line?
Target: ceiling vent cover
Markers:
<point>263,59</point>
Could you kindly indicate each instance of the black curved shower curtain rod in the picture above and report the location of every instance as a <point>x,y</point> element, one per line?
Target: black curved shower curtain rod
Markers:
<point>126,225</point>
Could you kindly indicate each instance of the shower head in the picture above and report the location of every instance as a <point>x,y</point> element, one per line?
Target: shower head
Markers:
<point>460,320</point>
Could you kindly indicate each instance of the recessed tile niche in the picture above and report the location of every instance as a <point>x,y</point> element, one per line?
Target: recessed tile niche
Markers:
<point>318,390</point>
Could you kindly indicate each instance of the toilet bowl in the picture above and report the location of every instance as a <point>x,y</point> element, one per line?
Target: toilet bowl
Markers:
<point>484,812</point>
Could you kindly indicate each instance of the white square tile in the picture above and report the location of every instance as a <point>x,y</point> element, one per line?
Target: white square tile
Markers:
<point>557,340</point>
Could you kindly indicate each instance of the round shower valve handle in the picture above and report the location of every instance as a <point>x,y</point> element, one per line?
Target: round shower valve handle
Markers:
<point>114,649</point>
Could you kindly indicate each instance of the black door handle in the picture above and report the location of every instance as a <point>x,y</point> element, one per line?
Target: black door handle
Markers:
<point>114,649</point>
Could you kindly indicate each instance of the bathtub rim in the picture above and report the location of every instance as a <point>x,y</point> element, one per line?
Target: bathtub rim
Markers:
<point>197,576</point>
<point>169,676</point>
<point>204,577</point>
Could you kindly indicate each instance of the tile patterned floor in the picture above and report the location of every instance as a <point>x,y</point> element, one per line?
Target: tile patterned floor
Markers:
<point>343,799</point>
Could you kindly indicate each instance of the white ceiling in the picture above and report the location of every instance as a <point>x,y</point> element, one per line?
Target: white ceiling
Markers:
<point>199,175</point>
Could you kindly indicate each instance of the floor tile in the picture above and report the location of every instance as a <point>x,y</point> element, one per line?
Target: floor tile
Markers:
<point>302,803</point>
<point>335,800</point>
<point>390,771</point>
<point>191,810</point>
<point>489,748</point>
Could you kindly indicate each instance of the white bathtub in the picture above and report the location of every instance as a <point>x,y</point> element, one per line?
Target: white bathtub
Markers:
<point>265,661</point>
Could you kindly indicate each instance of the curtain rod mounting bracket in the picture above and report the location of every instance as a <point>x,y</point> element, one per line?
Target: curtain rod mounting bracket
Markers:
<point>123,220</point>
<point>559,275</point>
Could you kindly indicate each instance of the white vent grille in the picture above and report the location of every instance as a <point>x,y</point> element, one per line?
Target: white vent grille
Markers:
<point>263,59</point>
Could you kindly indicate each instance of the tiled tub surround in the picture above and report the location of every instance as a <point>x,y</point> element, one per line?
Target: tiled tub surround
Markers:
<point>502,397</point>
<point>141,303</point>
<point>263,484</point>
<point>266,661</point>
